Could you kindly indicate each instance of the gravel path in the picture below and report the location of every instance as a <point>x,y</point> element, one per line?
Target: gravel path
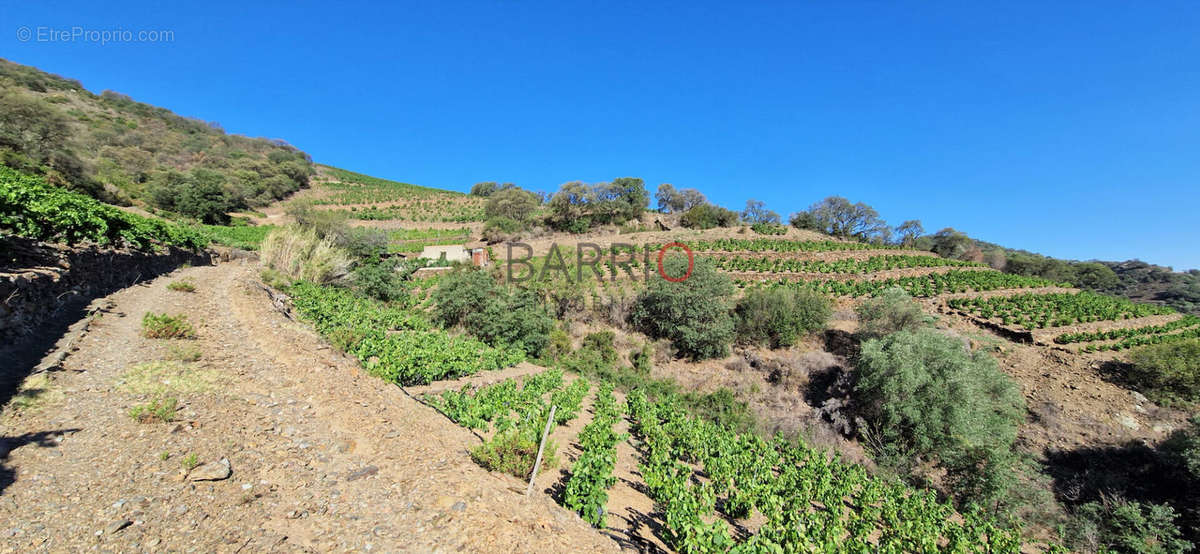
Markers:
<point>321,457</point>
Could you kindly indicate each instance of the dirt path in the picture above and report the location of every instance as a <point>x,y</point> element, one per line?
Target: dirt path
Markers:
<point>323,457</point>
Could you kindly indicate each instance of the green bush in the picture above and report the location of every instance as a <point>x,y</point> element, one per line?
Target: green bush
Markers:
<point>163,326</point>
<point>892,311</point>
<point>514,319</point>
<point>602,343</point>
<point>773,228</point>
<point>381,281</point>
<point>925,394</point>
<point>31,208</point>
<point>491,312</point>
<point>1169,371</point>
<point>500,229</point>
<point>515,204</point>
<point>693,314</point>
<point>514,452</point>
<point>707,216</point>
<point>779,316</point>
<point>1117,525</point>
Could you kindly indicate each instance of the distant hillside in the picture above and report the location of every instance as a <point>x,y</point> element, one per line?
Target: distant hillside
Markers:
<point>127,152</point>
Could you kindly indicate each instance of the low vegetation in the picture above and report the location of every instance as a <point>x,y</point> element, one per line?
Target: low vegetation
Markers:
<point>1167,372</point>
<point>164,326</point>
<point>779,317</point>
<point>181,286</point>
<point>160,410</point>
<point>302,254</point>
<point>695,315</point>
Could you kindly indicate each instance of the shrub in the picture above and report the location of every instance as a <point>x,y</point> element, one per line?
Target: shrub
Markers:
<point>461,293</point>
<point>500,229</point>
<point>778,316</point>
<point>769,228</point>
<point>890,312</point>
<point>1183,448</point>
<point>602,343</point>
<point>381,281</point>
<point>1117,525</point>
<point>184,353</point>
<point>707,216</point>
<point>163,326</point>
<point>514,452</point>
<point>1168,371</point>
<point>301,254</point>
<point>471,298</point>
<point>693,314</point>
<point>514,319</point>
<point>181,286</point>
<point>162,410</point>
<point>925,394</point>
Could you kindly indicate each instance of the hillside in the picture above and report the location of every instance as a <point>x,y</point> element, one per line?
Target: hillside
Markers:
<point>709,380</point>
<point>123,151</point>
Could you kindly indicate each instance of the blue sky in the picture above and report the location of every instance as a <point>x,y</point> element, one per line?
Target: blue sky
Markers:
<point>1066,128</point>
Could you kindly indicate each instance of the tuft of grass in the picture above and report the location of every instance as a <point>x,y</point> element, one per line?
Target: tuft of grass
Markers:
<point>184,353</point>
<point>181,286</point>
<point>160,410</point>
<point>161,379</point>
<point>190,461</point>
<point>164,455</point>
<point>514,452</point>
<point>163,326</point>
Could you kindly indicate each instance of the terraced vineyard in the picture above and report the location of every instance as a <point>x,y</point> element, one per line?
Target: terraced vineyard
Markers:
<point>843,266</point>
<point>396,344</point>
<point>374,199</point>
<point>1038,311</point>
<point>778,245</point>
<point>924,286</point>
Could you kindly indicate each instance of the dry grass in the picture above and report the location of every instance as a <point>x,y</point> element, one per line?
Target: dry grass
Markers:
<point>301,254</point>
<point>162,379</point>
<point>35,393</point>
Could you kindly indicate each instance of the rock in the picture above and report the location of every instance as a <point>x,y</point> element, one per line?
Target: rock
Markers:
<point>459,506</point>
<point>1138,397</point>
<point>211,471</point>
<point>362,472</point>
<point>1128,421</point>
<point>181,509</point>
<point>115,526</point>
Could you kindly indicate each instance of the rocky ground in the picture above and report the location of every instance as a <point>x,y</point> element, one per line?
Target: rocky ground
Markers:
<point>278,444</point>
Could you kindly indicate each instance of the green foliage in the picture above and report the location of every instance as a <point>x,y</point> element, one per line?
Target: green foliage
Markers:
<point>578,206</point>
<point>379,279</point>
<point>160,409</point>
<point>116,149</point>
<point>707,216</point>
<point>31,208</point>
<point>1117,525</point>
<point>393,343</point>
<point>500,229</point>
<point>245,237</point>
<point>492,312</point>
<point>181,286</point>
<point>925,286</point>
<point>693,314</point>
<point>163,326</point>
<point>1183,447</point>
<point>780,245</point>
<point>1037,311</point>
<point>925,394</point>
<point>515,204</point>
<point>769,228</point>
<point>1169,371</point>
<point>843,266</point>
<point>592,474</point>
<point>778,317</point>
<point>1127,332</point>
<point>673,201</point>
<point>890,312</point>
<point>514,452</point>
<point>839,217</point>
<point>785,482</point>
<point>757,214</point>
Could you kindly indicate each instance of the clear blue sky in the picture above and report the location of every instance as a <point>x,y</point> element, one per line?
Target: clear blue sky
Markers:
<point>1071,129</point>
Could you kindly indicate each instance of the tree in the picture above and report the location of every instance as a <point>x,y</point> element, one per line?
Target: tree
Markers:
<point>513,203</point>
<point>577,206</point>
<point>693,314</point>
<point>908,232</point>
<point>838,217</point>
<point>488,188</point>
<point>668,198</point>
<point>756,212</point>
<point>630,198</point>
<point>568,207</point>
<point>1095,276</point>
<point>949,243</point>
<point>690,198</point>
<point>204,198</point>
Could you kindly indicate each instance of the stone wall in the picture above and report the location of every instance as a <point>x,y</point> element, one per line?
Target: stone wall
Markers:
<point>39,281</point>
